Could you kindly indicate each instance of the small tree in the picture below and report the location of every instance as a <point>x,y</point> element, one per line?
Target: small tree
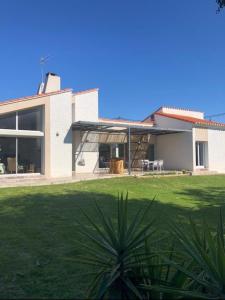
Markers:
<point>221,3</point>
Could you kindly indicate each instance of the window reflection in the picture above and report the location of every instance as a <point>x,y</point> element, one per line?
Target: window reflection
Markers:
<point>29,155</point>
<point>23,158</point>
<point>7,155</point>
<point>8,121</point>
<point>30,119</point>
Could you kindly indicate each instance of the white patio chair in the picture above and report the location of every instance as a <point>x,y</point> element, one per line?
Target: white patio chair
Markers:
<point>144,164</point>
<point>160,165</point>
<point>155,165</point>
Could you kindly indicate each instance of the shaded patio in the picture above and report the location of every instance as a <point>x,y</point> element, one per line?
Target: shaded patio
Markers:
<point>136,137</point>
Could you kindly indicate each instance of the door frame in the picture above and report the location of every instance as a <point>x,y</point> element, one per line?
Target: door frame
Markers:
<point>198,153</point>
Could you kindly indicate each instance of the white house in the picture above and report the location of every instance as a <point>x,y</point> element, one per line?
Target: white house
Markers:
<point>58,132</point>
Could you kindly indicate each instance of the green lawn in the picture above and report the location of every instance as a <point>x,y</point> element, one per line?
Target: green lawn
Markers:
<point>39,231</point>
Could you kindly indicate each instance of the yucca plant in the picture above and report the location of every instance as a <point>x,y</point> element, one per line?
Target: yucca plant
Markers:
<point>116,251</point>
<point>162,279</point>
<point>129,262</point>
<point>205,249</point>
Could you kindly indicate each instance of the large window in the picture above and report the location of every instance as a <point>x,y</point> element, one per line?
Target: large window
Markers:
<point>29,155</point>
<point>20,155</point>
<point>8,121</point>
<point>30,119</point>
<point>104,155</point>
<point>151,152</point>
<point>109,151</point>
<point>7,155</point>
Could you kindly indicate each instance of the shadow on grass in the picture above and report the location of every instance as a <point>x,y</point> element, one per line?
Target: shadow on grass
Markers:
<point>212,196</point>
<point>38,231</point>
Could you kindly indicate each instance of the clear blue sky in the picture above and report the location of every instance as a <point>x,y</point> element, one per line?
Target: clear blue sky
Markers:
<point>141,54</point>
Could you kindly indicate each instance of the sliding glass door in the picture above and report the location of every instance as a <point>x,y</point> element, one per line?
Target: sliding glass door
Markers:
<point>29,155</point>
<point>7,155</point>
<point>108,151</point>
<point>20,155</point>
<point>200,154</point>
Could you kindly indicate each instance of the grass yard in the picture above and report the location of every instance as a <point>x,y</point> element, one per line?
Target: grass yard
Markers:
<point>38,227</point>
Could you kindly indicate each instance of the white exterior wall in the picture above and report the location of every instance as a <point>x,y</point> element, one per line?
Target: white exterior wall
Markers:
<point>216,150</point>
<point>87,153</point>
<point>176,150</point>
<point>201,135</point>
<point>85,106</point>
<point>60,135</point>
<point>166,122</point>
<point>182,112</point>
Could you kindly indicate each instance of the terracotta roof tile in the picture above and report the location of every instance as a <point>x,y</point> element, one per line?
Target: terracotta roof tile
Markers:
<point>85,91</point>
<point>15,100</point>
<point>191,119</point>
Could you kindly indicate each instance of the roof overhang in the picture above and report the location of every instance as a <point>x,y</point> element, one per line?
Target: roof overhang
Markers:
<point>103,126</point>
<point>205,126</point>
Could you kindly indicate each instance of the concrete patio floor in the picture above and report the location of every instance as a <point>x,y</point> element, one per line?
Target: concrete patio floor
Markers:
<point>38,180</point>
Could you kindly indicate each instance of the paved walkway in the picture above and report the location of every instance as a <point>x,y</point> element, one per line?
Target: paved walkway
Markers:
<point>38,180</point>
<point>14,181</point>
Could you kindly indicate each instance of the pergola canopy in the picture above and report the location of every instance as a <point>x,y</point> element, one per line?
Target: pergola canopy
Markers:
<point>123,127</point>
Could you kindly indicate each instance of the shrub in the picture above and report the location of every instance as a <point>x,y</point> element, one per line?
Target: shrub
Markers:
<point>117,251</point>
<point>130,263</point>
<point>206,249</point>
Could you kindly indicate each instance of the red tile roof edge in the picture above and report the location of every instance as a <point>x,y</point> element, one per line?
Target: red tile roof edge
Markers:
<point>86,91</point>
<point>26,98</point>
<point>191,119</point>
<point>169,107</point>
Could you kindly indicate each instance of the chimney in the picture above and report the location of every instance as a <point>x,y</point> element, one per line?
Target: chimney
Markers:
<point>40,88</point>
<point>52,84</point>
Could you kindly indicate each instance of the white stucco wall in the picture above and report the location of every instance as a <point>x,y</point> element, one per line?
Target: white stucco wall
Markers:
<point>85,155</point>
<point>85,106</point>
<point>216,150</point>
<point>166,122</point>
<point>176,150</point>
<point>60,135</point>
<point>200,135</point>
<point>182,112</point>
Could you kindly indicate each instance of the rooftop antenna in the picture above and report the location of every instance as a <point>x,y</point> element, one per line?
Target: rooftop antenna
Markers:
<point>43,61</point>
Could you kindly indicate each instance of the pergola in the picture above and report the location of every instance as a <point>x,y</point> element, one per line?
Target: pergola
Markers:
<point>126,127</point>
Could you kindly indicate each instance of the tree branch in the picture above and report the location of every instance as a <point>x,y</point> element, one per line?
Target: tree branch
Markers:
<point>221,3</point>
